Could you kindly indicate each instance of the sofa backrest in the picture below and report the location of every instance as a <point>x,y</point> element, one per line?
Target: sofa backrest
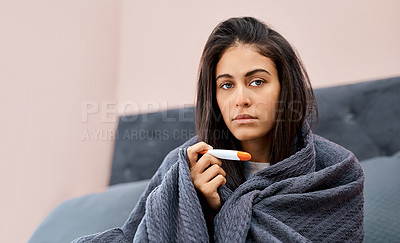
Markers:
<point>363,117</point>
<point>143,140</point>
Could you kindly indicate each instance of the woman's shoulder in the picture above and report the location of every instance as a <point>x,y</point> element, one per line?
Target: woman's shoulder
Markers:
<point>328,153</point>
<point>324,143</point>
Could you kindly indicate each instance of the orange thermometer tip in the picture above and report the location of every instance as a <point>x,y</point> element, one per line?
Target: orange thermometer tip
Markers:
<point>244,156</point>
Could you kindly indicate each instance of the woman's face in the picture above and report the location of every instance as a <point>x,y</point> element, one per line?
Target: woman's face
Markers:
<point>247,92</point>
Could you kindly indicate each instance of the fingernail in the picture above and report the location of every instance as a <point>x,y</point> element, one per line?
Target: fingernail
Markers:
<point>210,147</point>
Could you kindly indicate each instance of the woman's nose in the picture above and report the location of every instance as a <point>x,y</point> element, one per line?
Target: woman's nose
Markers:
<point>242,98</point>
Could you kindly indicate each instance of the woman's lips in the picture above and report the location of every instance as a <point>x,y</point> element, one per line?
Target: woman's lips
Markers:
<point>244,119</point>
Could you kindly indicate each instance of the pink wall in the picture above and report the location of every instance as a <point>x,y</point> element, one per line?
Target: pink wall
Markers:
<point>54,55</point>
<point>339,41</point>
<point>135,56</point>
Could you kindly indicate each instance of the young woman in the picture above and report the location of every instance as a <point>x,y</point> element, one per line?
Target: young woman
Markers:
<point>253,95</point>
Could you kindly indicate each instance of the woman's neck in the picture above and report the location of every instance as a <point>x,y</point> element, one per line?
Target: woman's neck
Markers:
<point>259,149</point>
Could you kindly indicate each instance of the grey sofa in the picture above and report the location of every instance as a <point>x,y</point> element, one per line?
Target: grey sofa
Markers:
<point>363,117</point>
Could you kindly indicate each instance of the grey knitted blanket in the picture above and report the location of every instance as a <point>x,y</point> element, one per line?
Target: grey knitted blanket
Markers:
<point>314,195</point>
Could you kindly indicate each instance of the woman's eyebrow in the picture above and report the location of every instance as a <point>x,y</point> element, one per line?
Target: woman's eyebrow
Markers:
<point>225,75</point>
<point>256,71</point>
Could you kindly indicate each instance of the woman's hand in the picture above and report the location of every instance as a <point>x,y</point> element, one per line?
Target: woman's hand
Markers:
<point>206,180</point>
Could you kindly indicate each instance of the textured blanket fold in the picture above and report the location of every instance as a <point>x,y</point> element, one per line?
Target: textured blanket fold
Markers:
<point>314,195</point>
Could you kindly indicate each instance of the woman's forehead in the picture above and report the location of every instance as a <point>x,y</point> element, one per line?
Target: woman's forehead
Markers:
<point>242,59</point>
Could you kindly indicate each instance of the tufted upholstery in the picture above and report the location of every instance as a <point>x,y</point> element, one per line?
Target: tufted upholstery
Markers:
<point>143,140</point>
<point>362,117</point>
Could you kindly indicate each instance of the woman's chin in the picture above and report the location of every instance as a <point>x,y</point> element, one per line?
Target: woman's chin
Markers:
<point>246,136</point>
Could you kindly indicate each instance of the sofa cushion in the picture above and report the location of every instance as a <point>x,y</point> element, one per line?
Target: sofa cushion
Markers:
<point>89,214</point>
<point>381,199</point>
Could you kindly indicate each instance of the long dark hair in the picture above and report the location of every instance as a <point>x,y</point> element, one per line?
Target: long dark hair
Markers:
<point>296,101</point>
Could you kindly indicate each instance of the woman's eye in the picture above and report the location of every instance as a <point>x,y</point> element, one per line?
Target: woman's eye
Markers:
<point>226,86</point>
<point>256,83</point>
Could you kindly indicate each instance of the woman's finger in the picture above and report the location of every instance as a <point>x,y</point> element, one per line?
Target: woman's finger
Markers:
<point>192,152</point>
<point>205,161</point>
<point>216,182</point>
<point>212,172</point>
